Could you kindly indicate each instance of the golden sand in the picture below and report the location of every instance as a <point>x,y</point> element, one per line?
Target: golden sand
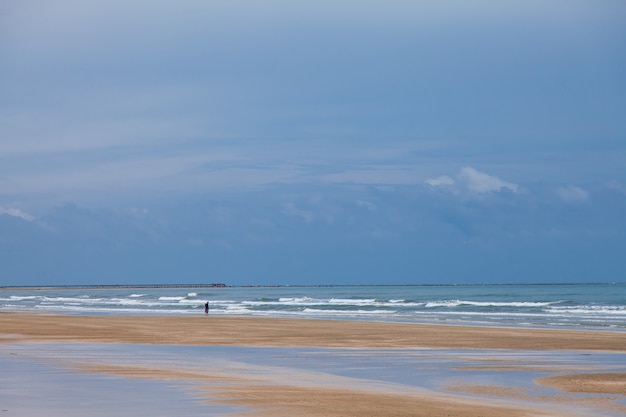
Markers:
<point>592,383</point>
<point>254,331</point>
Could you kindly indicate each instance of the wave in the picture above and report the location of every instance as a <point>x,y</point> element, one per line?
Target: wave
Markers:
<point>293,300</point>
<point>458,303</point>
<point>191,302</point>
<point>590,310</point>
<point>114,310</point>
<point>23,298</point>
<point>302,301</point>
<point>308,301</point>
<point>69,300</point>
<point>353,301</point>
<point>347,312</point>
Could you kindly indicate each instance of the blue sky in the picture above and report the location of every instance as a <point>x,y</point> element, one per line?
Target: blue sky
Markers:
<point>343,142</point>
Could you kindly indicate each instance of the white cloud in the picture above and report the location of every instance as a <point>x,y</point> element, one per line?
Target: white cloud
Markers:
<point>16,213</point>
<point>440,181</point>
<point>472,180</point>
<point>572,194</point>
<point>479,182</point>
<point>366,204</point>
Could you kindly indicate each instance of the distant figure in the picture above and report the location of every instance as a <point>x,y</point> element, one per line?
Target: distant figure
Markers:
<point>206,308</point>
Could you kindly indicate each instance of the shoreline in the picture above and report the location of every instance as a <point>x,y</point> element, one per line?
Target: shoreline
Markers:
<point>297,392</point>
<point>577,308</point>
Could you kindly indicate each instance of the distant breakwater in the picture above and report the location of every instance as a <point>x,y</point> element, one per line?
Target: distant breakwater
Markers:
<point>110,286</point>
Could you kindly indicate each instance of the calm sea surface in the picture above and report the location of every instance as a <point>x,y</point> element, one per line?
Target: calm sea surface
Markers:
<point>600,306</point>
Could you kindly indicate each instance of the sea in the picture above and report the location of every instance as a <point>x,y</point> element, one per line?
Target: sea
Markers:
<point>575,306</point>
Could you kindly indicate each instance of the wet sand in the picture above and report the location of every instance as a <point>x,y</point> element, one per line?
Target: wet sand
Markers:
<point>283,396</point>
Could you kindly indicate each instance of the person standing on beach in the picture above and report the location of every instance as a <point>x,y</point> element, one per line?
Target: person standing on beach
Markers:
<point>206,308</point>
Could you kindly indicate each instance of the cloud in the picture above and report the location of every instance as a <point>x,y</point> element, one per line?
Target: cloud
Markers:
<point>479,182</point>
<point>369,206</point>
<point>572,194</point>
<point>473,181</point>
<point>16,213</point>
<point>440,181</point>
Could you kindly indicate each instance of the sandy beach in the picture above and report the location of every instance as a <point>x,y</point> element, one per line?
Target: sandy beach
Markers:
<point>255,331</point>
<point>278,395</point>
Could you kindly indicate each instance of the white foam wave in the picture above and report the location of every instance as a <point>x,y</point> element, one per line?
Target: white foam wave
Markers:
<point>115,310</point>
<point>405,302</point>
<point>307,301</point>
<point>131,302</point>
<point>303,301</point>
<point>353,302</point>
<point>191,302</point>
<point>590,310</point>
<point>235,309</point>
<point>479,313</point>
<point>347,312</point>
<point>458,303</point>
<point>71,300</point>
<point>296,300</point>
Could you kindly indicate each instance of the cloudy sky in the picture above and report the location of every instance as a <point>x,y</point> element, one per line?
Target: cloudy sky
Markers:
<point>312,142</point>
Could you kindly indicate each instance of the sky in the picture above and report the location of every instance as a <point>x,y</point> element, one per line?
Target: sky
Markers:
<point>272,142</point>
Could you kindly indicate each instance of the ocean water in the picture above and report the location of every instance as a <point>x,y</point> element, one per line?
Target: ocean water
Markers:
<point>596,306</point>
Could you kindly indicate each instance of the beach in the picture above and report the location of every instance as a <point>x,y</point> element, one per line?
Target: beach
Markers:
<point>576,386</point>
